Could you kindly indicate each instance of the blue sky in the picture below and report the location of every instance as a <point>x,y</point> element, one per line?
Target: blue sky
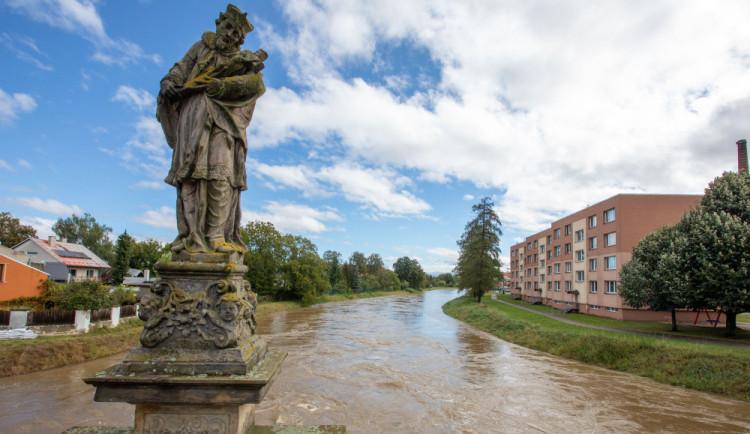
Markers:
<point>383,121</point>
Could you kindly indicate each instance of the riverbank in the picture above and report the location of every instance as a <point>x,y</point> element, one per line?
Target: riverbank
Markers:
<point>711,368</point>
<point>48,352</point>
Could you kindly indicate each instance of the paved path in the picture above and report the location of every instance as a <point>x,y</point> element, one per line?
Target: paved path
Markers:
<point>556,316</point>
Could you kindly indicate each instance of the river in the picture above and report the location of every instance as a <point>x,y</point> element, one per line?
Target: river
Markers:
<point>398,364</point>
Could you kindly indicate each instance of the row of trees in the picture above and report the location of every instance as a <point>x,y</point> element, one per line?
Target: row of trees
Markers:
<point>702,262</point>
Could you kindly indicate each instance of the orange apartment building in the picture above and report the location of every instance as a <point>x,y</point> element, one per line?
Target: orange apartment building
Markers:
<point>575,264</point>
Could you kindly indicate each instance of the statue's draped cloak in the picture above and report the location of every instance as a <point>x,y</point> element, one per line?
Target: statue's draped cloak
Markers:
<point>190,122</point>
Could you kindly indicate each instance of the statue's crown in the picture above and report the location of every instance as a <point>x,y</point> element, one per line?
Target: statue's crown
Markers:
<point>238,17</point>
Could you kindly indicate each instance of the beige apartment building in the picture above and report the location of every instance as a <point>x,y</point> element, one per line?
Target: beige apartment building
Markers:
<point>575,264</point>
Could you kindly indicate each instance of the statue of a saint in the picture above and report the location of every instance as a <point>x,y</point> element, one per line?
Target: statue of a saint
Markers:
<point>204,106</point>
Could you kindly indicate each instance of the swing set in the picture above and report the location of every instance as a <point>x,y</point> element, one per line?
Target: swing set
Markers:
<point>708,315</point>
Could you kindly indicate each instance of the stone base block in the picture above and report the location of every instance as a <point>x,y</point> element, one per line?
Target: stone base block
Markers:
<point>168,419</point>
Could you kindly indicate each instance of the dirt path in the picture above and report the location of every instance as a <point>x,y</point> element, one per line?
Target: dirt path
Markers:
<point>557,316</point>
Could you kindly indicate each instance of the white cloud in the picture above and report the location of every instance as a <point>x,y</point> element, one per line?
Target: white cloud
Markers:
<point>293,218</point>
<point>82,18</point>
<point>25,164</point>
<point>12,105</point>
<point>146,153</point>
<point>138,99</point>
<point>581,103</point>
<point>49,206</point>
<point>164,217</point>
<point>6,166</point>
<point>43,226</point>
<point>150,185</point>
<point>468,197</point>
<point>25,49</point>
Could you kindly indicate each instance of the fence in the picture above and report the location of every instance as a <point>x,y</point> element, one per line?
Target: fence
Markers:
<point>54,321</point>
<point>101,315</point>
<point>128,310</point>
<point>51,317</point>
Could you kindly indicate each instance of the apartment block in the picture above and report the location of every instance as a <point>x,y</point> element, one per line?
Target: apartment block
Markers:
<point>576,262</point>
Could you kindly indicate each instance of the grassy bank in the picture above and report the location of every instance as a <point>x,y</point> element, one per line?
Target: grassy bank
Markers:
<point>712,368</point>
<point>47,352</point>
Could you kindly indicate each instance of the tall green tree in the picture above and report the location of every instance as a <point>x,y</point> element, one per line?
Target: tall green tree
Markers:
<point>121,264</point>
<point>12,231</point>
<point>264,257</point>
<point>87,231</point>
<point>409,271</point>
<point>303,272</point>
<point>652,278</point>
<point>360,260</point>
<point>333,267</point>
<point>479,264</point>
<point>374,264</point>
<point>145,254</point>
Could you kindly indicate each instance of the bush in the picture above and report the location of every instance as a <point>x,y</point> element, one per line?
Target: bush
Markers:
<point>122,295</point>
<point>81,295</point>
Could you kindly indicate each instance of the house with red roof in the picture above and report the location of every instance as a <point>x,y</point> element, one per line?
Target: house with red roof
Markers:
<point>63,261</point>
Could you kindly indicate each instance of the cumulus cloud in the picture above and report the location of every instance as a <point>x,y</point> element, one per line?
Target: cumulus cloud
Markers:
<point>49,205</point>
<point>82,18</point>
<point>557,105</point>
<point>293,218</point>
<point>12,105</point>
<point>42,226</point>
<point>164,217</point>
<point>138,99</point>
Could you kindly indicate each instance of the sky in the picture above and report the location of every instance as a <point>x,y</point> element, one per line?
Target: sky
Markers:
<point>383,121</point>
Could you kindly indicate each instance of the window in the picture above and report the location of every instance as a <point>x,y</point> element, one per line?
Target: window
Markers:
<point>513,252</point>
<point>567,229</point>
<point>579,236</point>
<point>542,264</point>
<point>557,233</point>
<point>536,244</point>
<point>610,239</point>
<point>612,309</point>
<point>611,286</point>
<point>595,307</point>
<point>568,285</point>
<point>549,254</point>
<point>557,250</point>
<point>549,239</point>
<point>528,259</point>
<point>610,262</point>
<point>528,272</point>
<point>579,256</point>
<point>592,221</point>
<point>89,274</point>
<point>568,303</point>
<point>536,257</point>
<point>558,302</point>
<point>557,285</point>
<point>542,248</point>
<point>568,248</point>
<point>542,278</point>
<point>579,276</point>
<point>528,246</point>
<point>609,215</point>
<point>549,286</point>
<point>528,285</point>
<point>536,285</point>
<point>536,271</point>
<point>549,269</point>
<point>593,286</point>
<point>592,264</point>
<point>2,272</point>
<point>557,268</point>
<point>592,243</point>
<point>72,273</point>
<point>568,267</point>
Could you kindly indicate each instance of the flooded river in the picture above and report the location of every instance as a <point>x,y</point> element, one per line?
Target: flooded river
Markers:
<point>398,364</point>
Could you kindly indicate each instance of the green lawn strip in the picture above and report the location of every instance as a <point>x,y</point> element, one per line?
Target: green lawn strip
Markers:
<point>717,333</point>
<point>744,317</point>
<point>712,368</point>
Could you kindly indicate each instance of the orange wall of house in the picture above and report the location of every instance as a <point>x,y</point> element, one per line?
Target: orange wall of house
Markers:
<point>20,280</point>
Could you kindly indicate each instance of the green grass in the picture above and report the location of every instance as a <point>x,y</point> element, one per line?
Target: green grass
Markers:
<point>717,333</point>
<point>712,368</point>
<point>744,317</point>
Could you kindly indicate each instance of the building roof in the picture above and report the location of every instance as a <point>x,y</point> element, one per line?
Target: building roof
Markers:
<point>71,254</point>
<point>11,258</point>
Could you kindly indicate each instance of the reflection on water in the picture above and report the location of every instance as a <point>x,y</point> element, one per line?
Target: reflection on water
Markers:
<point>398,364</point>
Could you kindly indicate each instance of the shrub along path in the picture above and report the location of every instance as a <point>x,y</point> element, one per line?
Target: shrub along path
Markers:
<point>557,316</point>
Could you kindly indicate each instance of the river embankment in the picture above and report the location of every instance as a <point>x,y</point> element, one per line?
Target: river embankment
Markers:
<point>48,352</point>
<point>711,368</point>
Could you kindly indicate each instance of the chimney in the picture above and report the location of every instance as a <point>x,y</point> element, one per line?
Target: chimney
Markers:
<point>51,241</point>
<point>742,155</point>
<point>146,274</point>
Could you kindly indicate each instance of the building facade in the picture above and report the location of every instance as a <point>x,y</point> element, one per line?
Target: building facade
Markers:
<point>63,261</point>
<point>575,264</point>
<point>18,278</point>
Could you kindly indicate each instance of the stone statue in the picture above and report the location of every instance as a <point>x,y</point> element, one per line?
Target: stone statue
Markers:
<point>204,106</point>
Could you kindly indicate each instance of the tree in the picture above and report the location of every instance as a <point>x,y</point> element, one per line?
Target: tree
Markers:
<point>374,264</point>
<point>145,254</point>
<point>359,259</point>
<point>448,279</point>
<point>479,262</point>
<point>333,267</point>
<point>81,295</point>
<point>303,272</point>
<point>12,231</point>
<point>410,272</point>
<point>264,257</point>
<point>86,231</point>
<point>652,278</point>
<point>122,257</point>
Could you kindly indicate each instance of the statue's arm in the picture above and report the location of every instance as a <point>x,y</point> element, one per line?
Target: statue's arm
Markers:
<point>172,83</point>
<point>237,87</point>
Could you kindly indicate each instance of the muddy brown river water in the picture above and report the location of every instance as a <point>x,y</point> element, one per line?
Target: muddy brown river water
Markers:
<point>398,364</point>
